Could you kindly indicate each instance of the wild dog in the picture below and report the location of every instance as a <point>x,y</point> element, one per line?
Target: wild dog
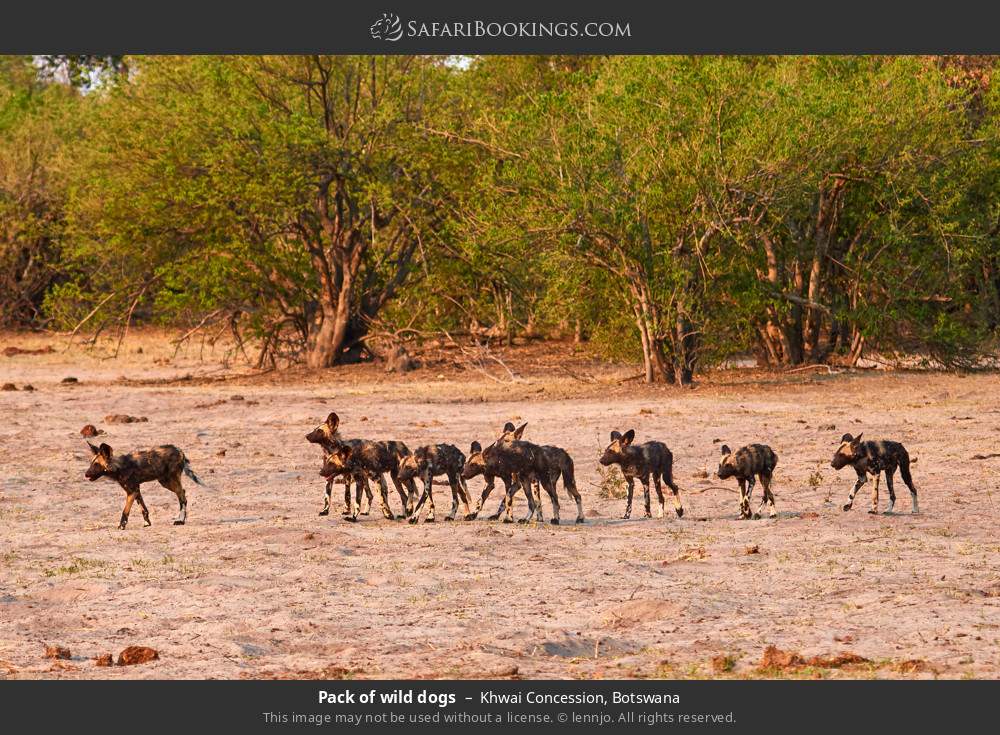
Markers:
<point>475,465</point>
<point>641,461</point>
<point>164,464</point>
<point>873,458</point>
<point>527,463</point>
<point>560,466</point>
<point>327,436</point>
<point>432,461</point>
<point>746,465</point>
<point>372,460</point>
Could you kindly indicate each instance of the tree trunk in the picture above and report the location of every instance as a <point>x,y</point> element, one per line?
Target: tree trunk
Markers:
<point>828,208</point>
<point>654,364</point>
<point>795,353</point>
<point>647,358</point>
<point>684,350</point>
<point>660,363</point>
<point>328,341</point>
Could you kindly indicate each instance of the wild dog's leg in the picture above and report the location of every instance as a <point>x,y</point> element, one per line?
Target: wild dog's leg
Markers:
<point>507,501</point>
<point>368,497</point>
<point>570,485</point>
<point>326,499</point>
<point>482,498</point>
<point>862,479</point>
<point>347,496</point>
<point>173,484</point>
<point>465,492</point>
<point>534,494</point>
<point>454,501</point>
<point>550,488</point>
<point>765,481</point>
<point>383,498</point>
<point>425,497</point>
<point>411,492</point>
<point>878,476</point>
<point>510,490</point>
<point>889,472</point>
<point>360,489</point>
<point>751,484</point>
<point>520,483</point>
<point>404,496</point>
<point>502,508</point>
<point>744,499</point>
<point>668,477</point>
<point>178,490</point>
<point>644,479</point>
<point>491,482</point>
<point>506,506</point>
<point>630,483</point>
<point>145,510</point>
<point>429,489</point>
<point>458,493</point>
<point>130,497</point>
<point>904,472</point>
<point>767,498</point>
<point>659,494</point>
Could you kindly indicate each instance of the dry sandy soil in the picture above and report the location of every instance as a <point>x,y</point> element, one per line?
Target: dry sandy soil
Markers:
<point>257,585</point>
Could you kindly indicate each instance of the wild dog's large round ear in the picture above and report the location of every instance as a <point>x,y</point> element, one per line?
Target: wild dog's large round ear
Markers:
<point>509,426</point>
<point>615,436</point>
<point>726,450</point>
<point>333,421</point>
<point>93,449</point>
<point>628,436</point>
<point>105,450</point>
<point>520,430</point>
<point>857,438</point>
<point>847,438</point>
<point>475,448</point>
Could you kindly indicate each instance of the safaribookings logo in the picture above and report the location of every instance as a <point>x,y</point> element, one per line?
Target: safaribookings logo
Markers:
<point>387,28</point>
<point>390,28</point>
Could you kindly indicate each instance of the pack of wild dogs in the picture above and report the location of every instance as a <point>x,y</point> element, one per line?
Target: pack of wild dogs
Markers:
<point>519,464</point>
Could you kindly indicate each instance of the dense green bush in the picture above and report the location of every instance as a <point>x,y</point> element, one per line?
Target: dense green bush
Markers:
<point>670,210</point>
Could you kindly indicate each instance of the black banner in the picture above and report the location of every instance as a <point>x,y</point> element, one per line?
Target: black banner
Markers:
<point>515,26</point>
<point>562,706</point>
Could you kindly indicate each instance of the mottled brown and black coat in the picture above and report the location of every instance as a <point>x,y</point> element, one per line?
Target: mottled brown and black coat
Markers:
<point>372,460</point>
<point>746,465</point>
<point>327,436</point>
<point>560,465</point>
<point>165,464</point>
<point>642,461</point>
<point>475,465</point>
<point>433,461</point>
<point>527,463</point>
<point>874,458</point>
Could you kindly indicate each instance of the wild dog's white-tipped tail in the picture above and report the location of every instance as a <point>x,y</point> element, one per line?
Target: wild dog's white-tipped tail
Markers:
<point>186,468</point>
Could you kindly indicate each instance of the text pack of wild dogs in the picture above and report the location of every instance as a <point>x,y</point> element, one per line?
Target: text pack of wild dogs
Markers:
<point>519,464</point>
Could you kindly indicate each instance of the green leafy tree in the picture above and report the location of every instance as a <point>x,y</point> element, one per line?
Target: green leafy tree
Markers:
<point>38,122</point>
<point>298,190</point>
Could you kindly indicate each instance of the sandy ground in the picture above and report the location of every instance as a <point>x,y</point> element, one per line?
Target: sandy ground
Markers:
<point>257,585</point>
